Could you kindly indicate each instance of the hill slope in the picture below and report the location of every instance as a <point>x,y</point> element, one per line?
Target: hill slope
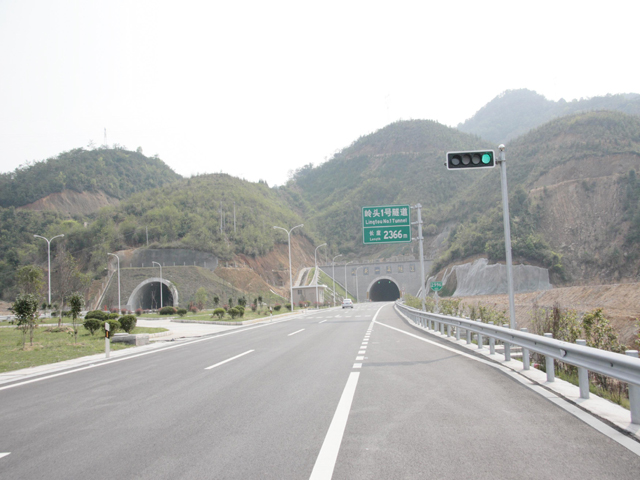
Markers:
<point>118,173</point>
<point>515,112</point>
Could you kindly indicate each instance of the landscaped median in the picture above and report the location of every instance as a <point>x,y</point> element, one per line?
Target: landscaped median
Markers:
<point>248,318</point>
<point>52,345</point>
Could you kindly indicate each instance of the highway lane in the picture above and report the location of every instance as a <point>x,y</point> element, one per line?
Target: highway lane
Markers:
<point>264,411</point>
<point>163,415</point>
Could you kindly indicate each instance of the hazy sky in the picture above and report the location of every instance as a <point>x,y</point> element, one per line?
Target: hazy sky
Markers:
<point>258,88</point>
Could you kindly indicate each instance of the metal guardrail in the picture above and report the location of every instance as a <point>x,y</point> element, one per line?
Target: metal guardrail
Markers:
<point>625,368</point>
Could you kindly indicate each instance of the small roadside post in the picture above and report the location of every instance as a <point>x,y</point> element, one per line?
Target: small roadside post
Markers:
<point>107,345</point>
<point>436,287</point>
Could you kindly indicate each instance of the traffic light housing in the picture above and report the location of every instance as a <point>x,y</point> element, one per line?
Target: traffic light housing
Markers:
<point>471,159</point>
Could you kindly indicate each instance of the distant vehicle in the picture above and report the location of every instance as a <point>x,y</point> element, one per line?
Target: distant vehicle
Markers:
<point>347,303</point>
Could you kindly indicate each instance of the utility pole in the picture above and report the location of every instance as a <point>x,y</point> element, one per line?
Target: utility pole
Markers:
<point>420,240</point>
<point>507,235</point>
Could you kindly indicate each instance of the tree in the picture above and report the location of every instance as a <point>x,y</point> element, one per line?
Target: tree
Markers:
<point>76,302</point>
<point>29,280</point>
<point>26,310</point>
<point>201,298</point>
<point>66,278</point>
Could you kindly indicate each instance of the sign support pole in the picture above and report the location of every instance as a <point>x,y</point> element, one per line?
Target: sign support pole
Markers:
<point>420,240</point>
<point>507,235</point>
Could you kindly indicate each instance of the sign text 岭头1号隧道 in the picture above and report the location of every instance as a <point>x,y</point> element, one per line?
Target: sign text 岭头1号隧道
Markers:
<point>386,224</point>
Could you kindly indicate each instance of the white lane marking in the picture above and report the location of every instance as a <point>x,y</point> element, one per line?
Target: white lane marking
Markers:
<point>360,358</point>
<point>228,360</point>
<point>4,454</point>
<point>361,352</point>
<point>357,365</point>
<point>323,321</point>
<point>302,329</point>
<point>129,357</point>
<point>587,418</point>
<point>326,461</point>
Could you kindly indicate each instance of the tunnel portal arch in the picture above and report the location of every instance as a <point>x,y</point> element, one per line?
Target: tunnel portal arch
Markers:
<point>147,294</point>
<point>383,289</point>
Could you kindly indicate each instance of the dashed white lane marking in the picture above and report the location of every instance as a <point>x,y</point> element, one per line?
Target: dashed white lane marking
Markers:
<point>4,454</point>
<point>361,352</point>
<point>323,321</point>
<point>302,329</point>
<point>228,360</point>
<point>360,358</point>
<point>357,365</point>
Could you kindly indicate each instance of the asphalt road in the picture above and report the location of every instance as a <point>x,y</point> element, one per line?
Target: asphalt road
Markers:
<point>331,394</point>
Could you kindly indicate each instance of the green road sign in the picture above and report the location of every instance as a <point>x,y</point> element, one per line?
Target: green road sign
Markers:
<point>386,224</point>
<point>436,286</point>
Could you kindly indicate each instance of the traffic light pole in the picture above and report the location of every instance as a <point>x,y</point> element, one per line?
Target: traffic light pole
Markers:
<point>420,240</point>
<point>507,236</point>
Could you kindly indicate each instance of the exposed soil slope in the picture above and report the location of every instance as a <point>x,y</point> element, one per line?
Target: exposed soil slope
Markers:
<point>70,202</point>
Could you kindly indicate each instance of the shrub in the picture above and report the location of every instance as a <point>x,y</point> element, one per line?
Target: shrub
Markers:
<point>226,307</point>
<point>113,316</point>
<point>128,323</point>
<point>234,312</point>
<point>277,307</point>
<point>66,313</point>
<point>138,312</point>
<point>124,311</point>
<point>287,305</point>
<point>240,310</point>
<point>219,312</point>
<point>182,312</point>
<point>97,314</point>
<point>114,326</point>
<point>113,310</point>
<point>193,309</point>
<point>254,307</point>
<point>168,311</point>
<point>92,324</point>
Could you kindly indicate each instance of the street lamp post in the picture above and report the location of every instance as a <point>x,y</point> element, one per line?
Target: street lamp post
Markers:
<point>49,258</point>
<point>156,263</point>
<point>357,294</point>
<point>290,272</point>
<point>333,275</point>
<point>315,257</point>
<point>346,291</point>
<point>119,303</point>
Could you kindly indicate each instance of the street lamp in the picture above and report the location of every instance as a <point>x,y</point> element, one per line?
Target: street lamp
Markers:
<point>315,257</point>
<point>290,273</point>
<point>160,282</point>
<point>119,303</point>
<point>49,258</point>
<point>346,290</point>
<point>333,275</point>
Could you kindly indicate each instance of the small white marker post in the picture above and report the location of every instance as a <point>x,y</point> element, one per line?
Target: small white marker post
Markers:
<point>107,344</point>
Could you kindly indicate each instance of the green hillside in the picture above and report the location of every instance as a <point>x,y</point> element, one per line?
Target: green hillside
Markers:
<point>402,163</point>
<point>515,112</point>
<point>116,172</point>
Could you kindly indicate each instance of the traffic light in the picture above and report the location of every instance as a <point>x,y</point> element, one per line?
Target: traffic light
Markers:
<point>471,159</point>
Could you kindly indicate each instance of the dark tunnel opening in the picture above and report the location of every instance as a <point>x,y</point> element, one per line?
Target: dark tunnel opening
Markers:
<point>149,296</point>
<point>384,290</point>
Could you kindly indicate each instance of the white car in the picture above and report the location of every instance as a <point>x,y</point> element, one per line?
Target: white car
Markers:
<point>347,303</point>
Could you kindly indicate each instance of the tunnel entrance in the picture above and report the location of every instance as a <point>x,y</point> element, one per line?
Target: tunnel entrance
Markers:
<point>147,295</point>
<point>384,290</point>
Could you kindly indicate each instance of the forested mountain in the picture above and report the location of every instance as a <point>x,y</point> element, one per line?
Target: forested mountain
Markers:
<point>515,112</point>
<point>116,172</point>
<point>573,194</point>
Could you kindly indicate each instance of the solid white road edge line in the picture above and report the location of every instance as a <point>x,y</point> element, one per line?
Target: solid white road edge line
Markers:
<point>587,418</point>
<point>301,330</point>
<point>129,357</point>
<point>4,454</point>
<point>228,360</point>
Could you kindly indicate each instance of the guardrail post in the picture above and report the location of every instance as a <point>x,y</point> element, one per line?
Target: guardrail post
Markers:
<point>448,330</point>
<point>458,332</point>
<point>507,347</point>
<point>468,337</point>
<point>441,328</point>
<point>583,375</point>
<point>480,341</point>
<point>526,363</point>
<point>634,395</point>
<point>492,343</point>
<point>550,363</point>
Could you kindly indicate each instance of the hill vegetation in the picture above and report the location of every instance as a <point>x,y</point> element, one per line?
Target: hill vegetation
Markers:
<point>116,172</point>
<point>515,112</point>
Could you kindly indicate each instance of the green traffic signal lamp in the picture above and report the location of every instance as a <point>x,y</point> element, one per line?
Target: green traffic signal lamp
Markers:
<point>471,159</point>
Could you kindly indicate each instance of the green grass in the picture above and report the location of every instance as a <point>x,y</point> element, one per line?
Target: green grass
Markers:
<point>52,347</point>
<point>248,315</point>
<point>328,281</point>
